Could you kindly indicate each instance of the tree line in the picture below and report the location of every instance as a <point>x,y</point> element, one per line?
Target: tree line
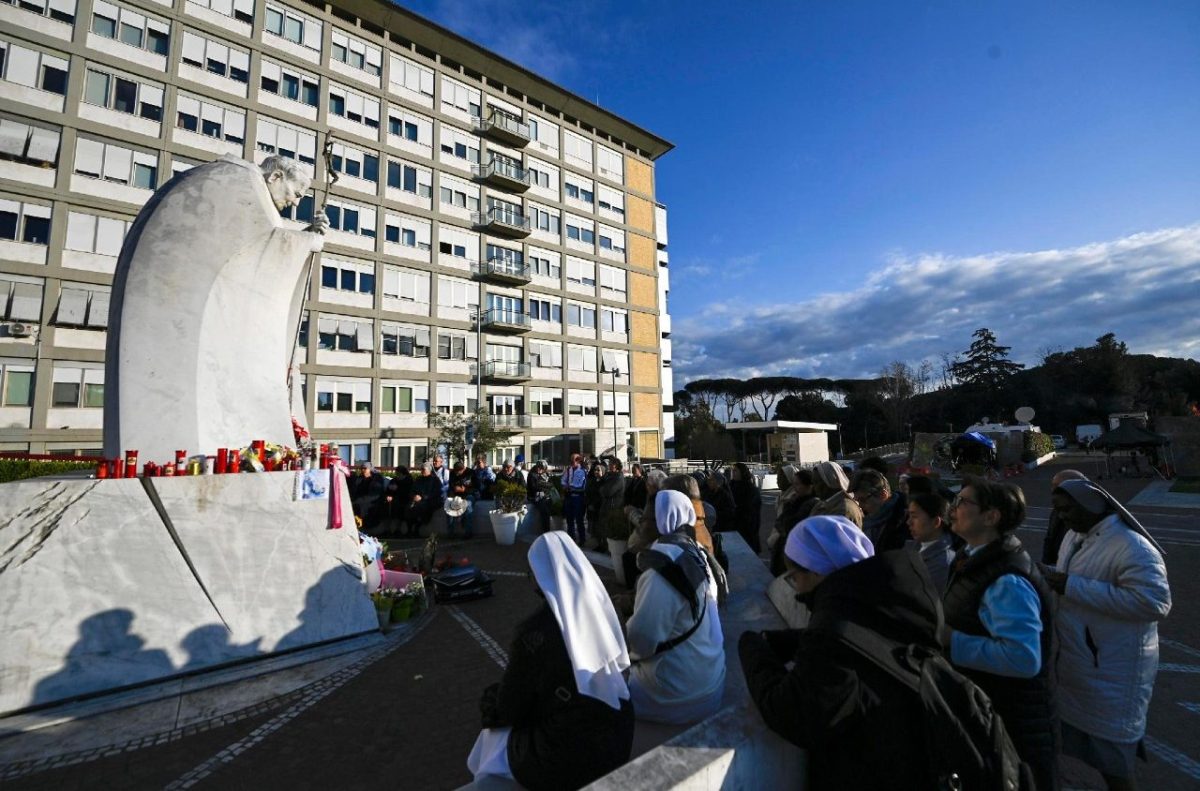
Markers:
<point>1067,388</point>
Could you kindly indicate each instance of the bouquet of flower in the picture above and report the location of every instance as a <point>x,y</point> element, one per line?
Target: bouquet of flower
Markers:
<point>384,598</point>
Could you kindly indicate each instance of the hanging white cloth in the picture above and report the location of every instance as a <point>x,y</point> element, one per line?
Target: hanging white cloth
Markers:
<point>585,615</point>
<point>489,756</point>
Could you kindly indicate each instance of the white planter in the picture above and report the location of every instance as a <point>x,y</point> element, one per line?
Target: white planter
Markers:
<point>504,526</point>
<point>616,549</point>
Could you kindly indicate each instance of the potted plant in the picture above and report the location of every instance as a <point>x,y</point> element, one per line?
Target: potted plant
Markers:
<point>402,608</point>
<point>383,599</point>
<point>415,590</point>
<point>617,527</point>
<point>510,508</point>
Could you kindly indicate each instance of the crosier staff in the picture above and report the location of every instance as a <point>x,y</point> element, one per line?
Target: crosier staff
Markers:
<point>331,178</point>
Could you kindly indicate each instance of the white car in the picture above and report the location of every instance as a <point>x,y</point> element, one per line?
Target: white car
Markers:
<point>1059,442</point>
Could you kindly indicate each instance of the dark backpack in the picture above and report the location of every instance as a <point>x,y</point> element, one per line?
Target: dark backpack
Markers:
<point>965,740</point>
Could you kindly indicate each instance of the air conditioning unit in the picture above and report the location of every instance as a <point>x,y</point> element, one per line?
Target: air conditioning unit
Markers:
<point>20,330</point>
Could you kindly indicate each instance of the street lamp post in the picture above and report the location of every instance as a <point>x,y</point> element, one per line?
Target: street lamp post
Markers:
<point>615,373</point>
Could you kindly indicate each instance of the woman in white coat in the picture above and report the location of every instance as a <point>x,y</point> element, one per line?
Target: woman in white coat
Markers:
<point>1112,591</point>
<point>674,635</point>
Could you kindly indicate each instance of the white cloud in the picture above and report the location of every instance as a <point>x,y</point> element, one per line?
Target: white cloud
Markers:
<point>1145,288</point>
<point>538,36</point>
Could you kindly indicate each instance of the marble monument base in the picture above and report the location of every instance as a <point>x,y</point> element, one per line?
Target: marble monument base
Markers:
<point>106,584</point>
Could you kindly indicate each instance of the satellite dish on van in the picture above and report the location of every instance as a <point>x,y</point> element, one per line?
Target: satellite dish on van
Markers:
<point>1025,414</point>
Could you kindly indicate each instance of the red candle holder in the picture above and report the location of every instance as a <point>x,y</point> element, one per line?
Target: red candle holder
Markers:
<point>102,470</point>
<point>260,450</point>
<point>169,470</point>
<point>119,467</point>
<point>235,462</point>
<point>112,467</point>
<point>180,460</point>
<point>150,470</point>
<point>131,463</point>
<point>221,462</point>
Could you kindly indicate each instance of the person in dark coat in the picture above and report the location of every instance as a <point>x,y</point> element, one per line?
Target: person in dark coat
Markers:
<point>999,627</point>
<point>425,500</point>
<point>510,474</point>
<point>396,496</point>
<point>748,503</point>
<point>595,499</point>
<point>366,494</point>
<point>538,488</point>
<point>635,488</point>
<point>885,513</point>
<point>716,493</point>
<point>797,503</point>
<point>862,727</point>
<point>560,717</point>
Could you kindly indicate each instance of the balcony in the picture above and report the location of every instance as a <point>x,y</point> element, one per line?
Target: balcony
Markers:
<point>503,271</point>
<point>505,321</point>
<point>505,128</point>
<point>502,222</point>
<point>511,421</point>
<point>503,174</point>
<point>504,371</point>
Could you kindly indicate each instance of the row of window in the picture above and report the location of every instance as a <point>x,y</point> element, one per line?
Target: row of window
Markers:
<point>354,395</point>
<point>302,34</point>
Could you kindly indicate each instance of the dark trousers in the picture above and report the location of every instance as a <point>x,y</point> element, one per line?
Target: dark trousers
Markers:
<point>542,509</point>
<point>573,509</point>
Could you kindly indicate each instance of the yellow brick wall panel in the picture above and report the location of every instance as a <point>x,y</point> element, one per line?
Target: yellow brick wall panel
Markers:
<point>643,291</point>
<point>648,445</point>
<point>640,213</point>
<point>642,251</point>
<point>647,410</point>
<point>639,176</point>
<point>645,370</point>
<point>643,329</point>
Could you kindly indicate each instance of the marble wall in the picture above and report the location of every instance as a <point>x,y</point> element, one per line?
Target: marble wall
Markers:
<point>101,587</point>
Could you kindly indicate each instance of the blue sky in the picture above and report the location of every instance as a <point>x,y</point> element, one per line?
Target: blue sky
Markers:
<point>860,182</point>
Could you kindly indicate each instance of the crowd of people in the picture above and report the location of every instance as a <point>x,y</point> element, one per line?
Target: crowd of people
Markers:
<point>1065,649</point>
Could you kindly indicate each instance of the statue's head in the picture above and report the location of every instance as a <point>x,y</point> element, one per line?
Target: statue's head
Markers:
<point>286,180</point>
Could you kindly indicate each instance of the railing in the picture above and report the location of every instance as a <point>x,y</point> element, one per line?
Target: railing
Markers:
<point>503,122</point>
<point>511,421</point>
<point>503,217</point>
<point>505,369</point>
<point>507,316</point>
<point>499,167</point>
<point>503,267</point>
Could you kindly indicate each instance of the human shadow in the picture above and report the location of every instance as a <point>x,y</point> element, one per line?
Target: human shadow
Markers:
<point>209,645</point>
<point>332,606</point>
<point>107,655</point>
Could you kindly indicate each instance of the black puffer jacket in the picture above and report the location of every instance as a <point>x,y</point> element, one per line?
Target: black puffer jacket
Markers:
<point>861,727</point>
<point>560,739</point>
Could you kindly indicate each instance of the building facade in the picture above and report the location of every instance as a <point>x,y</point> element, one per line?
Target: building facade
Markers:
<point>493,236</point>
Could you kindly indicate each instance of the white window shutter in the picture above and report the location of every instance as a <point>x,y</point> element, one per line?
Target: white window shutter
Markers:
<point>26,302</point>
<point>193,47</point>
<point>110,235</point>
<point>117,163</point>
<point>72,307</point>
<point>365,337</point>
<point>81,231</point>
<point>98,310</point>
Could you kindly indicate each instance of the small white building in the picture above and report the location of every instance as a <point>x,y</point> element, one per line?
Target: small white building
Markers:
<point>792,442</point>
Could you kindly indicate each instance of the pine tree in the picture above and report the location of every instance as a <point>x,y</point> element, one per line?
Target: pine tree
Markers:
<point>985,364</point>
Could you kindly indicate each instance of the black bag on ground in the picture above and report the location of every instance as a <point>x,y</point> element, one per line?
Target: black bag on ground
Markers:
<point>460,584</point>
<point>966,742</point>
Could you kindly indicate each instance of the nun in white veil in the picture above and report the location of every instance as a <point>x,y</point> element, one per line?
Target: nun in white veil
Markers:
<point>561,715</point>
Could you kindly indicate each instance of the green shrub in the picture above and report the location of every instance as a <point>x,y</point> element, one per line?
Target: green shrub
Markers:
<point>1037,444</point>
<point>509,496</point>
<point>20,469</point>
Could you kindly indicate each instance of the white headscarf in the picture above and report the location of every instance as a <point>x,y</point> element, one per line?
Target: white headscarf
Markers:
<point>824,544</point>
<point>1095,499</point>
<point>585,615</point>
<point>672,511</point>
<point>832,475</point>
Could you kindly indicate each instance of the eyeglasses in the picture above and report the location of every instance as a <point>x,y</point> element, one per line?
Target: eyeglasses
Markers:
<point>960,500</point>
